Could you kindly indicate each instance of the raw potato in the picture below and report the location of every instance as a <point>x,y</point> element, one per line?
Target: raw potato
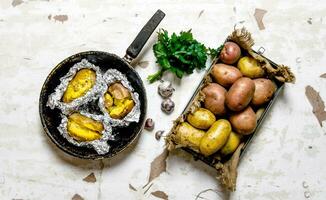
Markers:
<point>230,53</point>
<point>231,144</point>
<point>244,122</point>
<point>264,90</point>
<point>215,98</point>
<point>201,118</point>
<point>82,82</point>
<point>82,128</point>
<point>250,67</point>
<point>188,136</point>
<point>225,75</point>
<point>215,137</point>
<point>240,94</point>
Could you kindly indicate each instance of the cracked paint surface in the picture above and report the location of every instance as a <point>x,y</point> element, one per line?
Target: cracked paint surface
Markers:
<point>288,150</point>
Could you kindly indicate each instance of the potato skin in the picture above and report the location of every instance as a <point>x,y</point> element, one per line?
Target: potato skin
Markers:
<point>230,53</point>
<point>231,144</point>
<point>188,136</point>
<point>215,98</point>
<point>225,75</point>
<point>250,67</point>
<point>216,137</point>
<point>264,90</point>
<point>201,118</point>
<point>240,94</point>
<point>244,122</point>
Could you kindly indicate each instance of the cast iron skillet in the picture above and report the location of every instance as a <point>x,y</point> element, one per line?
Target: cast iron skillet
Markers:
<point>126,135</point>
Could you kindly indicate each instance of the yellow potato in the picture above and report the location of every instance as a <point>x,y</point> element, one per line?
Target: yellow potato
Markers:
<point>83,128</point>
<point>83,81</point>
<point>201,118</point>
<point>215,137</point>
<point>231,144</point>
<point>250,67</point>
<point>118,101</point>
<point>188,136</point>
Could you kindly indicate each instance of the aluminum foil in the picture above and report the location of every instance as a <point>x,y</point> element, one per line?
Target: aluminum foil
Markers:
<point>101,146</point>
<point>112,76</point>
<point>54,100</point>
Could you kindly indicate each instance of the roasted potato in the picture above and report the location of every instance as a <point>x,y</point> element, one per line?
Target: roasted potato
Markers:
<point>264,90</point>
<point>231,144</point>
<point>201,118</point>
<point>244,122</point>
<point>225,75</point>
<point>82,128</point>
<point>118,101</point>
<point>240,94</point>
<point>250,67</point>
<point>215,98</point>
<point>82,82</point>
<point>188,136</point>
<point>215,137</point>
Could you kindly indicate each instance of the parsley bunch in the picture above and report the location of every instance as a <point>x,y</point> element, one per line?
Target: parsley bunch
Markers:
<point>179,54</point>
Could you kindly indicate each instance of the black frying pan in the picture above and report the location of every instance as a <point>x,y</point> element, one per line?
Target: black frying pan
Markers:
<point>126,135</point>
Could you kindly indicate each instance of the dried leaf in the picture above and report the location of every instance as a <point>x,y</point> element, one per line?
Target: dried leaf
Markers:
<point>132,187</point>
<point>323,76</point>
<point>77,197</point>
<point>158,165</point>
<point>143,64</point>
<point>259,14</point>
<point>160,194</point>
<point>318,106</point>
<point>90,178</point>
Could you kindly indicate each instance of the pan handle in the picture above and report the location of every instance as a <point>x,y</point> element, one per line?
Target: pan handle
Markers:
<point>137,45</point>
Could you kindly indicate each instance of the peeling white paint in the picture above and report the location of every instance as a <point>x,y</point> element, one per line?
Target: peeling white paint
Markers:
<point>276,163</point>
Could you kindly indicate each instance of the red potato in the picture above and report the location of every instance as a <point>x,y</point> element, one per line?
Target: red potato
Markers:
<point>230,53</point>
<point>244,122</point>
<point>240,94</point>
<point>225,75</point>
<point>215,98</point>
<point>264,90</point>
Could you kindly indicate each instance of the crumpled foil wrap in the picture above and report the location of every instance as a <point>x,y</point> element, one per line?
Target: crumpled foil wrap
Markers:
<point>54,100</point>
<point>112,76</point>
<point>101,146</point>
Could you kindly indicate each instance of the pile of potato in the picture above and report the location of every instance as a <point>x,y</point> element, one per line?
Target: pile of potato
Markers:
<point>227,113</point>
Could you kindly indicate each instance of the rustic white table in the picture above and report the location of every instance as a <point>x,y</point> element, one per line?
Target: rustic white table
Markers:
<point>285,161</point>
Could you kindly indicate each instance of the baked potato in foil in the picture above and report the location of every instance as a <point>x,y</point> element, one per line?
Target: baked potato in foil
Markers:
<point>82,84</point>
<point>84,129</point>
<point>119,102</point>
